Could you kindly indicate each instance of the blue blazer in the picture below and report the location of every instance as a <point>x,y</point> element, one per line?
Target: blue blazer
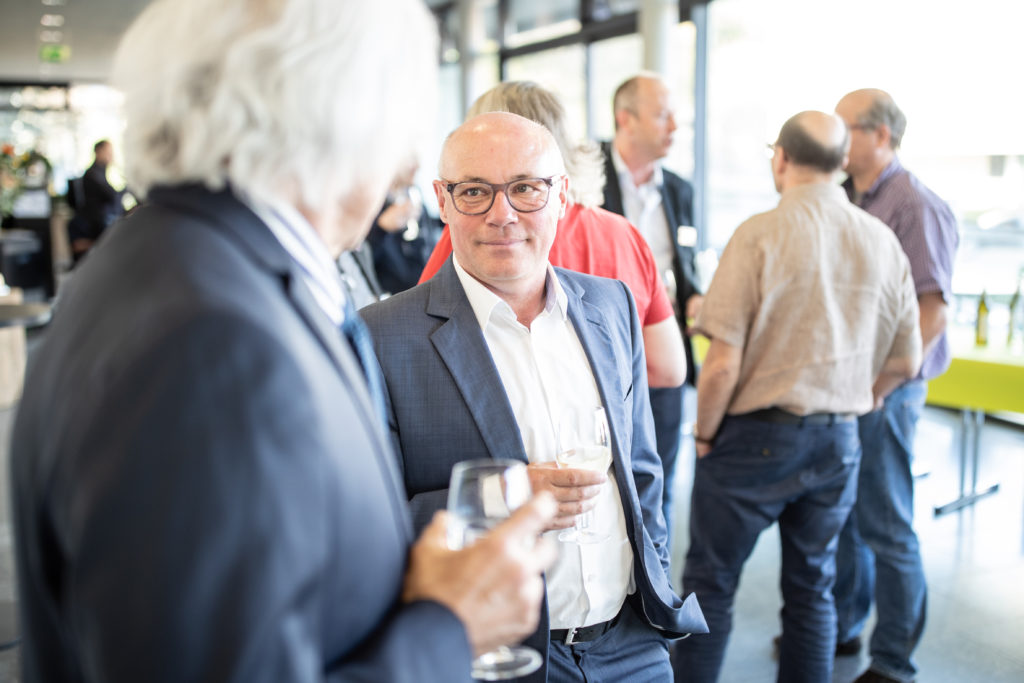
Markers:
<point>202,490</point>
<point>447,403</point>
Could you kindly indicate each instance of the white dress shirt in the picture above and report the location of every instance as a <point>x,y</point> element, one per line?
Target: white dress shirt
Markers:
<point>642,207</point>
<point>546,374</point>
<point>319,271</point>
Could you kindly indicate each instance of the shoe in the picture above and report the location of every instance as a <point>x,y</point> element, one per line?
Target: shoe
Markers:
<point>870,676</point>
<point>846,648</point>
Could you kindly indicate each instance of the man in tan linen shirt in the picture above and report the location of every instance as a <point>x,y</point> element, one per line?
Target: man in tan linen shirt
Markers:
<point>813,319</point>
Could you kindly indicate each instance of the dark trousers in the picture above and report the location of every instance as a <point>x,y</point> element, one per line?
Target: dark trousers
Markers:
<point>803,477</point>
<point>631,651</point>
<point>667,409</point>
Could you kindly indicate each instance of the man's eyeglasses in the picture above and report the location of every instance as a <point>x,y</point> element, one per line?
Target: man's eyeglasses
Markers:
<point>861,126</point>
<point>526,195</point>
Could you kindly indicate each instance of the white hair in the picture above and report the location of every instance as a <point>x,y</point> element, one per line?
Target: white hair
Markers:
<point>304,100</point>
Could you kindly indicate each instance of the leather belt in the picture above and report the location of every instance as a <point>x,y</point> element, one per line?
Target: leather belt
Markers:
<point>785,417</point>
<point>583,634</point>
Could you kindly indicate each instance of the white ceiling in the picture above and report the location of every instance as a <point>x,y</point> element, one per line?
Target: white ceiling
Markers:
<point>92,29</point>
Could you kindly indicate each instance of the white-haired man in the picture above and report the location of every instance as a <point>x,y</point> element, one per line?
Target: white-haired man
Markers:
<point>203,486</point>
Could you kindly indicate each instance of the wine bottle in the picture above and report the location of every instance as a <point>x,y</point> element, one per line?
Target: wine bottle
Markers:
<point>981,322</point>
<point>1015,315</point>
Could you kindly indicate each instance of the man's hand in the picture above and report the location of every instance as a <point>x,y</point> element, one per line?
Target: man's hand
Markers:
<point>703,447</point>
<point>573,489</point>
<point>493,586</point>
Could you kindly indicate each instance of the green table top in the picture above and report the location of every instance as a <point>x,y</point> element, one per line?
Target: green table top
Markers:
<point>989,378</point>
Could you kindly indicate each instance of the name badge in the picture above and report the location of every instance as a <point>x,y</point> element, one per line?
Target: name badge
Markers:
<point>686,236</point>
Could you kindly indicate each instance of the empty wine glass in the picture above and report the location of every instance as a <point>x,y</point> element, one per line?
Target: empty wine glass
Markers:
<point>584,445</point>
<point>481,494</point>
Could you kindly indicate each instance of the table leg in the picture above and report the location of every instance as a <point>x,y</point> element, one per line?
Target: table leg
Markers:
<point>971,423</point>
<point>9,636</point>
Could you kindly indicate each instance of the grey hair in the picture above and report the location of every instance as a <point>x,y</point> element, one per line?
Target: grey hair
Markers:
<point>584,163</point>
<point>296,99</point>
<point>883,111</point>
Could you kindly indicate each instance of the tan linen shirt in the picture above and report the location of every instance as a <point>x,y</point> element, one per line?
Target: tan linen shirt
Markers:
<point>818,294</point>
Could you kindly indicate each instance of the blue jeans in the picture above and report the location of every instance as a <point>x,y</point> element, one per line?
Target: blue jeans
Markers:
<point>879,558</point>
<point>804,477</point>
<point>667,410</point>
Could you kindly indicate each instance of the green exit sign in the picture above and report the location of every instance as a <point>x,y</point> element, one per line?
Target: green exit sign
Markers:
<point>54,54</point>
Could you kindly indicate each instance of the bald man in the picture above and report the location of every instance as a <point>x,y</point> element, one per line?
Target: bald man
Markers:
<point>489,355</point>
<point>812,318</point>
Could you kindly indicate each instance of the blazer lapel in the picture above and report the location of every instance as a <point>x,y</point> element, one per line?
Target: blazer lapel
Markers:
<point>460,344</point>
<point>592,328</point>
<point>612,190</point>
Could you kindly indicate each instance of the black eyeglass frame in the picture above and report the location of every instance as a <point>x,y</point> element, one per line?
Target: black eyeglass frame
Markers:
<point>501,187</point>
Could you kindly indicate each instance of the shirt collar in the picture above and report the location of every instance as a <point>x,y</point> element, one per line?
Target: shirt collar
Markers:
<point>626,178</point>
<point>892,169</point>
<point>318,270</point>
<point>486,304</point>
<point>889,171</point>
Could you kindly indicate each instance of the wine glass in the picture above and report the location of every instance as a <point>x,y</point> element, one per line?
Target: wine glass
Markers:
<point>578,451</point>
<point>483,493</point>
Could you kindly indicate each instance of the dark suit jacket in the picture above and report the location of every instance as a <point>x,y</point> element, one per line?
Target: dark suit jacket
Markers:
<point>202,491</point>
<point>677,200</point>
<point>447,403</point>
<point>102,203</point>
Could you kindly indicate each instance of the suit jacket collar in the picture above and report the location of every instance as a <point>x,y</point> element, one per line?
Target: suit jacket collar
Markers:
<point>460,344</point>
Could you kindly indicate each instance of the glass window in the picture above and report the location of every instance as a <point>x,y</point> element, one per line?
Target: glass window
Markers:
<point>605,9</point>
<point>680,80</point>
<point>611,62</point>
<point>560,70</point>
<point>532,21</point>
<point>964,139</point>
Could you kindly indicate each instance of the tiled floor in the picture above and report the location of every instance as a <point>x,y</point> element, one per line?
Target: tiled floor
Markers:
<point>974,561</point>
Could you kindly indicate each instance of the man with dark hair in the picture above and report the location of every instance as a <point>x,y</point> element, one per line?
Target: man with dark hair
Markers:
<point>879,559</point>
<point>100,202</point>
<point>660,204</point>
<point>812,319</point>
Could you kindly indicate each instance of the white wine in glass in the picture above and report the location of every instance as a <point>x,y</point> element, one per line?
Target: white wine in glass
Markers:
<point>594,453</point>
<point>481,494</point>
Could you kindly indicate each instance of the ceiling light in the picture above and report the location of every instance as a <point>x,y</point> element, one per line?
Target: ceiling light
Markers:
<point>54,3</point>
<point>52,20</point>
<point>51,36</point>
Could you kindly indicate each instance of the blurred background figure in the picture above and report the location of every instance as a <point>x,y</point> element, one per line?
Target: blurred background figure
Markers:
<point>660,204</point>
<point>96,202</point>
<point>403,234</point>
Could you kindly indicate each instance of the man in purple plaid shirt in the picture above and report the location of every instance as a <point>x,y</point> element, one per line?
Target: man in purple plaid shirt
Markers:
<point>879,558</point>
